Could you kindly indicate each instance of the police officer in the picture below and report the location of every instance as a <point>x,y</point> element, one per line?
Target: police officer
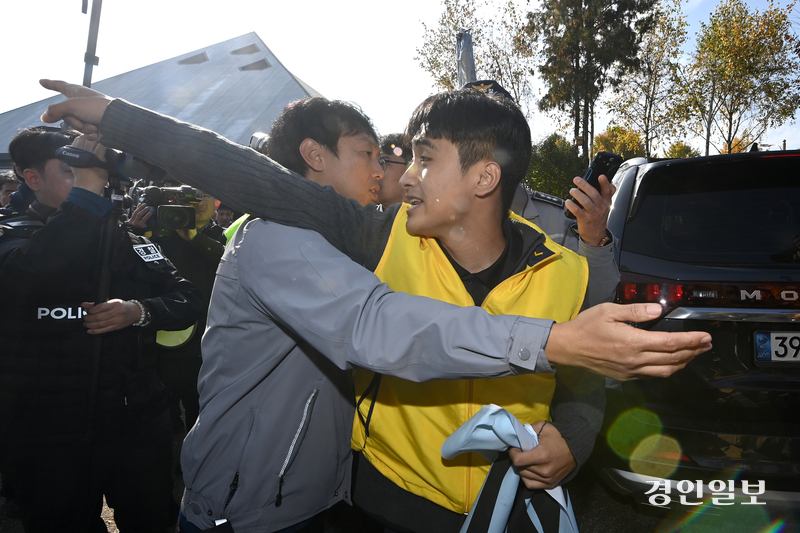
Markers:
<point>549,213</point>
<point>82,412</point>
<point>196,253</point>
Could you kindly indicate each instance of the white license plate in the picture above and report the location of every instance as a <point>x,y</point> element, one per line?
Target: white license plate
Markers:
<point>778,346</point>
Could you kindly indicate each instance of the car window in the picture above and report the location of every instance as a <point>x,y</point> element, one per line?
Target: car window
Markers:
<point>719,212</point>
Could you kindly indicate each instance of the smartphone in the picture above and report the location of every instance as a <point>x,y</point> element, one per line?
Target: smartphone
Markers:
<point>603,163</point>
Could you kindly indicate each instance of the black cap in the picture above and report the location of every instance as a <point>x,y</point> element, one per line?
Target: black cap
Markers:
<point>488,87</point>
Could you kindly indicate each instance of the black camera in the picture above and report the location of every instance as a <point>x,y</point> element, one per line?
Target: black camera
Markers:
<point>119,165</point>
<point>122,169</point>
<point>172,206</point>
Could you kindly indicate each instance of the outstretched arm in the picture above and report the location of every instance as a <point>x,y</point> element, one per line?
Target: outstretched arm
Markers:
<point>232,173</point>
<point>598,339</point>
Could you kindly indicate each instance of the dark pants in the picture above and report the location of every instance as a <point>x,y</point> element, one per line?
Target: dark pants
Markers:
<point>61,487</point>
<point>179,375</point>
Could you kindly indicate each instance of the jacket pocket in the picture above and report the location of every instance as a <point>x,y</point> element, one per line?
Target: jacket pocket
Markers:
<point>254,413</point>
<point>291,454</point>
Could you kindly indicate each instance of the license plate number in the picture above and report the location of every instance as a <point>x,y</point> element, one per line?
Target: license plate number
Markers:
<point>778,346</point>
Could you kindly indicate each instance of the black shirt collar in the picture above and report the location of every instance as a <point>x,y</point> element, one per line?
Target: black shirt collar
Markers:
<point>480,284</point>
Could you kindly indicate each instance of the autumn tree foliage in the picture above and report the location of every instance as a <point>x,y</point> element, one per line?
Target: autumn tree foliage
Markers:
<point>586,44</point>
<point>744,77</point>
<point>645,100</point>
<point>554,163</point>
<point>680,150</point>
<point>503,51</point>
<point>622,141</point>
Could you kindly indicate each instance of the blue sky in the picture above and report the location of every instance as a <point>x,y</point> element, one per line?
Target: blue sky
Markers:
<point>358,50</point>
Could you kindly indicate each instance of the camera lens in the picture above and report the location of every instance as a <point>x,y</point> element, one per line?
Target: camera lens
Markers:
<point>175,218</point>
<point>258,141</point>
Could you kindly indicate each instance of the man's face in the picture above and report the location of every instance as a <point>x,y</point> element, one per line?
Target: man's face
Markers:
<point>5,193</point>
<point>53,185</point>
<point>224,217</point>
<point>356,172</point>
<point>204,211</point>
<point>391,191</point>
<point>437,190</point>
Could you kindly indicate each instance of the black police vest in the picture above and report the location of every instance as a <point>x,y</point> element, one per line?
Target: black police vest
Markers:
<point>47,358</point>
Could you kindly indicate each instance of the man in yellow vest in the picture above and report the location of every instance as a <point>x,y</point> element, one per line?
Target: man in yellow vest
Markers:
<point>455,241</point>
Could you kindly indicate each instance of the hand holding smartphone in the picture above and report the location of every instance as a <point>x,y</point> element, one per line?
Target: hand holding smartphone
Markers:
<point>603,163</point>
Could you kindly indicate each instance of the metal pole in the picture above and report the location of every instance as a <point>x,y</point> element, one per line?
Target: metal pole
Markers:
<point>91,47</point>
<point>465,61</point>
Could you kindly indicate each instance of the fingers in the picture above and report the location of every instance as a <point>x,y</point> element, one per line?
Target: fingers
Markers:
<point>607,189</point>
<point>70,90</point>
<point>593,218</point>
<point>110,316</point>
<point>532,467</point>
<point>669,347</point>
<point>661,354</point>
<point>547,464</point>
<point>83,114</point>
<point>635,312</point>
<point>92,144</point>
<point>669,352</point>
<point>585,193</point>
<point>600,339</point>
<point>141,215</point>
<point>523,460</point>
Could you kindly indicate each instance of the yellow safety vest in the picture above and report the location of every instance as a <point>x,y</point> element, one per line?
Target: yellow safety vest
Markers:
<point>411,420</point>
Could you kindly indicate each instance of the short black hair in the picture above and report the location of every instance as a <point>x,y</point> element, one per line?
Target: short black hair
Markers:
<point>317,118</point>
<point>397,144</point>
<point>34,147</point>
<point>482,126</point>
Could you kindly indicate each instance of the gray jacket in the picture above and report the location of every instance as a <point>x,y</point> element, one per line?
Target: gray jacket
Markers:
<point>272,444</point>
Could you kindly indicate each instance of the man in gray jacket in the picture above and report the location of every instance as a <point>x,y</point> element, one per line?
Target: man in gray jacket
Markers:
<point>277,387</point>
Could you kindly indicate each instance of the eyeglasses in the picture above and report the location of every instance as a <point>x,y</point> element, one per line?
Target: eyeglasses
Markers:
<point>385,161</point>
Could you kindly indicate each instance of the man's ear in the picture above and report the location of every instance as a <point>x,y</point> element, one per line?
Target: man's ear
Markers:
<point>489,178</point>
<point>32,178</point>
<point>312,154</point>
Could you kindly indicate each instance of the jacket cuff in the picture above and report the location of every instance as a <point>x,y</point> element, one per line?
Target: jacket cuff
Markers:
<point>597,255</point>
<point>89,201</point>
<point>580,442</point>
<point>529,338</point>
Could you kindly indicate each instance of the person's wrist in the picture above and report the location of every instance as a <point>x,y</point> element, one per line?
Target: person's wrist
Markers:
<point>553,348</point>
<point>597,240</point>
<point>144,314</point>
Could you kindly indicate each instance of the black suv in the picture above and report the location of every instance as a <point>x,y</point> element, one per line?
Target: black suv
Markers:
<point>716,241</point>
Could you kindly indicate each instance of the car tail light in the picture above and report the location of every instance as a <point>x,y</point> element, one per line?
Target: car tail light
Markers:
<point>636,288</point>
<point>668,293</point>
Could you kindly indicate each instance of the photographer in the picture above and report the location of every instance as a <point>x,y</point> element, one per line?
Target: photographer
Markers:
<point>196,253</point>
<point>82,411</point>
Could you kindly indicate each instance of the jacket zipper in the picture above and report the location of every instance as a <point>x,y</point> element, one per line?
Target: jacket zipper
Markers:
<point>279,498</point>
<point>233,487</point>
